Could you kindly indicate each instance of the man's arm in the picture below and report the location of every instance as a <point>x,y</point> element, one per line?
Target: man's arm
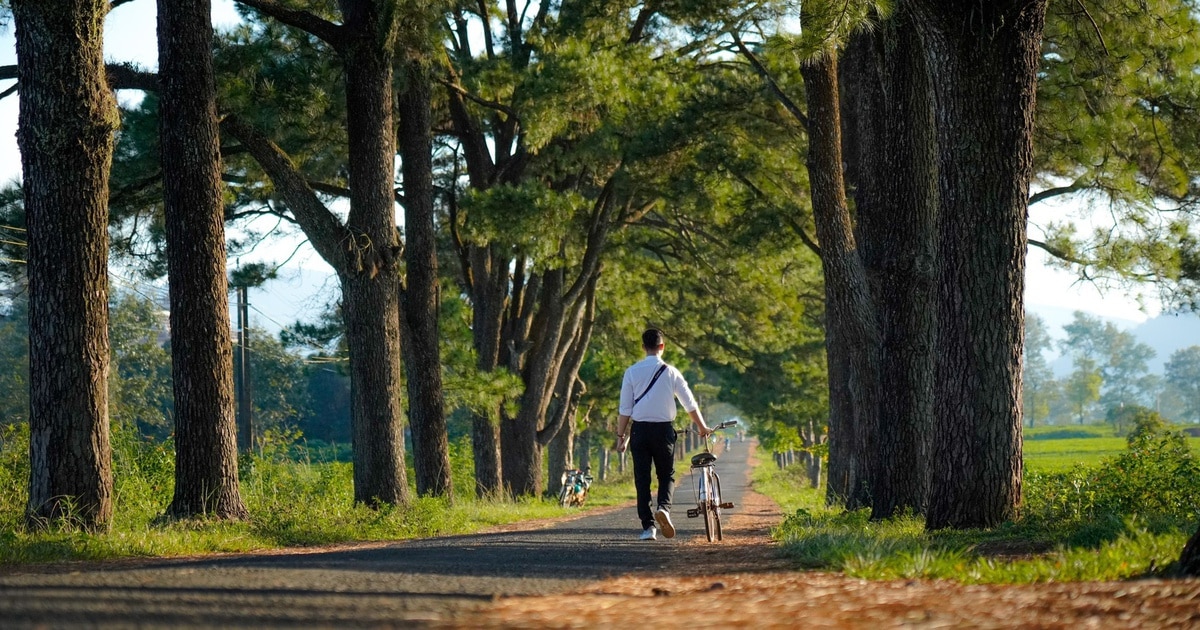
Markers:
<point>698,420</point>
<point>622,433</point>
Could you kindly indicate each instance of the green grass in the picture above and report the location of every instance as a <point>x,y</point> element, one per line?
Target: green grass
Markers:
<point>1127,517</point>
<point>293,500</point>
<point>1062,454</point>
<point>817,537</point>
<point>1059,448</point>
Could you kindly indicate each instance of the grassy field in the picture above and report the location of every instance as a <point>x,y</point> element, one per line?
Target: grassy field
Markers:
<point>1058,448</point>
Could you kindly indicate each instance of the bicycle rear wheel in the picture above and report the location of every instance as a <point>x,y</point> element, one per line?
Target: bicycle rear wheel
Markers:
<point>712,527</point>
<point>716,508</point>
<point>564,496</point>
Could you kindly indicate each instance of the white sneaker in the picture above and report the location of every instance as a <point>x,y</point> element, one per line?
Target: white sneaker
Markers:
<point>664,522</point>
<point>650,534</point>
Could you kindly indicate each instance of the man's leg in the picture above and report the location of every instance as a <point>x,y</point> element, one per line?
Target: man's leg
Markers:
<point>639,449</point>
<point>664,463</point>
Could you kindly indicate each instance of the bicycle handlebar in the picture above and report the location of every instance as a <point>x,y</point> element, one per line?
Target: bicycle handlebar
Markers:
<point>712,430</point>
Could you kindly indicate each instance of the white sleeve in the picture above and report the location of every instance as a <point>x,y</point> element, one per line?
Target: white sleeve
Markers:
<point>625,407</point>
<point>683,392</point>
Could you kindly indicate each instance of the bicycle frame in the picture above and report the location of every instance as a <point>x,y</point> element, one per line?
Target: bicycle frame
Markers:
<point>708,488</point>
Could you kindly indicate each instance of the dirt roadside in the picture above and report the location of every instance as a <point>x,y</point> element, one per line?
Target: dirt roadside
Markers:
<point>745,582</point>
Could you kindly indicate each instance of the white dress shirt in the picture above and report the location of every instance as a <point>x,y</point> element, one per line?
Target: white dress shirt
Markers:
<point>658,405</point>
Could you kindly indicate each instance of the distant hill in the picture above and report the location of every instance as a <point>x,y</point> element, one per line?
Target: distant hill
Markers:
<point>1165,334</point>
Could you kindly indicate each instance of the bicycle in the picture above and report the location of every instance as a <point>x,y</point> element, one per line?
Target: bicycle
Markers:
<point>575,484</point>
<point>708,487</point>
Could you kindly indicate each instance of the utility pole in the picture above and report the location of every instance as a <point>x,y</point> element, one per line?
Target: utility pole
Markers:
<point>242,278</point>
<point>245,409</point>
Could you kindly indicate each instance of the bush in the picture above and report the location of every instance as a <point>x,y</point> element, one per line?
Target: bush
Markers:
<point>1156,479</point>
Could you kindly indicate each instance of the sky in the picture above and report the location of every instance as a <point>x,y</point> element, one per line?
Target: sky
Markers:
<point>304,284</point>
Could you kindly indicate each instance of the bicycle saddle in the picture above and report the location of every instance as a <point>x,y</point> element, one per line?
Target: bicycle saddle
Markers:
<point>703,459</point>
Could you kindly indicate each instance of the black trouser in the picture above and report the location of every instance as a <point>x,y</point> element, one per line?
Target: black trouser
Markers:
<point>652,442</point>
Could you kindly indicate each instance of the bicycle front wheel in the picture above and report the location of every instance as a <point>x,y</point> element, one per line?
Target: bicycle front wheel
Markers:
<point>564,496</point>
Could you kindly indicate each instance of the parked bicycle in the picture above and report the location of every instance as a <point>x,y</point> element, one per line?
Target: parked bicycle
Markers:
<point>575,484</point>
<point>708,487</point>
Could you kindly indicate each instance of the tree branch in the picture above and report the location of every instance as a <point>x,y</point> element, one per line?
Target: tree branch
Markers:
<point>461,91</point>
<point>333,34</point>
<point>116,3</point>
<point>784,99</point>
<point>326,233</point>
<point>120,76</point>
<point>1050,193</point>
<point>126,76</point>
<point>639,24</point>
<point>1058,253</point>
<point>1095,27</point>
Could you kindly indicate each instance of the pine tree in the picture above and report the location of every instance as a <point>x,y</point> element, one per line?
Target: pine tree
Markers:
<point>66,118</point>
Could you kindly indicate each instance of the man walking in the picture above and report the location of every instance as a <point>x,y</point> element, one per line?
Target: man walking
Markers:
<point>648,394</point>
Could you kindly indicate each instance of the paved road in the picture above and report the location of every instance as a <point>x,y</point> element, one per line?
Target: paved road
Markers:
<point>407,583</point>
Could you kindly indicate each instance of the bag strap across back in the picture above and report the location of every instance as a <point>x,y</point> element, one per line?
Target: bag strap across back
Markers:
<point>662,368</point>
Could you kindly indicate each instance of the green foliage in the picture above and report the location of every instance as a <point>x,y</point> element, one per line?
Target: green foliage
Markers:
<point>14,366</point>
<point>530,217</point>
<point>1157,478</point>
<point>140,395</point>
<point>1144,424</point>
<point>279,384</point>
<point>1117,102</point>
<point>14,474</point>
<point>465,386</point>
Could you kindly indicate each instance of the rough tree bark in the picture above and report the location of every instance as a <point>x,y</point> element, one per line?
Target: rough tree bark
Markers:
<point>66,118</point>
<point>420,297</point>
<point>895,171</point>
<point>206,472</point>
<point>852,335</point>
<point>983,59</point>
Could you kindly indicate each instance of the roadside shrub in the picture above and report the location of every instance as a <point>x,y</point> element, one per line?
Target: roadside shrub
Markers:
<point>1156,479</point>
<point>14,474</point>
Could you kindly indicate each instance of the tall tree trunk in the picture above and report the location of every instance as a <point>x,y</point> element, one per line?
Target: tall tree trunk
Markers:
<point>363,249</point>
<point>583,448</point>
<point>983,60</point>
<point>489,291</point>
<point>427,415</point>
<point>206,471</point>
<point>66,120</point>
<point>560,451</point>
<point>852,336</point>
<point>371,290</point>
<point>520,455</point>
<point>896,200</point>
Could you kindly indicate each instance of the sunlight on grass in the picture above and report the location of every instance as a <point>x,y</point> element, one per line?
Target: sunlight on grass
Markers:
<point>1126,518</point>
<point>293,500</point>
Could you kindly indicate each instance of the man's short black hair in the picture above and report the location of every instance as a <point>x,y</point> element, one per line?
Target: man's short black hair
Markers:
<point>652,338</point>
